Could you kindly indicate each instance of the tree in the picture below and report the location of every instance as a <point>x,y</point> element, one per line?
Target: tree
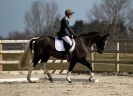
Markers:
<point>1,37</point>
<point>34,18</point>
<point>56,27</point>
<point>80,27</point>
<point>113,12</point>
<point>41,18</point>
<point>129,19</point>
<point>97,26</point>
<point>16,35</point>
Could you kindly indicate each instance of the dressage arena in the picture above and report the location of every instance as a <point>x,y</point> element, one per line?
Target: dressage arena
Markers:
<point>117,60</point>
<point>108,85</point>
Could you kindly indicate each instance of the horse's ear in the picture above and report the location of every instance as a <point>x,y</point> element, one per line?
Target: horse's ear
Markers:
<point>105,36</point>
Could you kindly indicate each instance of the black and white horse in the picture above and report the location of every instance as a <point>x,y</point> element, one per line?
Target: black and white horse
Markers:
<point>44,47</point>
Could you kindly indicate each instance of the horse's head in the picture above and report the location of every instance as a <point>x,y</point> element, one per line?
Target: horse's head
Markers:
<point>100,43</point>
<point>96,38</point>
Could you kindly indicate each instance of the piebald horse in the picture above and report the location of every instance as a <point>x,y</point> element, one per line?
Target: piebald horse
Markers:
<point>40,49</point>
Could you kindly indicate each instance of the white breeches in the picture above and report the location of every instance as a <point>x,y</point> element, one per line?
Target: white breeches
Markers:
<point>68,40</point>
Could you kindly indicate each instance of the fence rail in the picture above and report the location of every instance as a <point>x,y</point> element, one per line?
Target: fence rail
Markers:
<point>93,60</point>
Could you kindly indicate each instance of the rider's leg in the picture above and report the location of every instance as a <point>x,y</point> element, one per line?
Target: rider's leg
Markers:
<point>67,39</point>
<point>69,42</point>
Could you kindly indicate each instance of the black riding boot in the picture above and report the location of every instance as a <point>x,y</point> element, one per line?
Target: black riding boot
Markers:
<point>68,55</point>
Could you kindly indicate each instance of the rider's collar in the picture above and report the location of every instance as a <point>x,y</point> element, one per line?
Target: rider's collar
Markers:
<point>66,18</point>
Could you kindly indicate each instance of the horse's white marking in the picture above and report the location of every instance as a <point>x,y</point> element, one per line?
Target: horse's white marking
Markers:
<point>94,80</point>
<point>91,78</point>
<point>68,76</point>
<point>91,75</point>
<point>29,72</point>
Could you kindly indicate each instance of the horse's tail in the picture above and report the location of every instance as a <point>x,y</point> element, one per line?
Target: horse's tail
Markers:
<point>27,55</point>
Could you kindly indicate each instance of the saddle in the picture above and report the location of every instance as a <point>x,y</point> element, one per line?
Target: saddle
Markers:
<point>60,44</point>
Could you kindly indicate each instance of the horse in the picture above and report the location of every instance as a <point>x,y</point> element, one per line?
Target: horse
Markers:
<point>41,48</point>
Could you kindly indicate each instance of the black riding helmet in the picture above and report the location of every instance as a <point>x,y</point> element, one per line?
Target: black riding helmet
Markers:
<point>69,11</point>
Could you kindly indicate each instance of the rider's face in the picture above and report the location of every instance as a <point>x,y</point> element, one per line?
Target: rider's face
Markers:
<point>69,16</point>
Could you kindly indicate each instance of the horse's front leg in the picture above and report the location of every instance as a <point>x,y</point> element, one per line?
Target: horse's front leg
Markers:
<point>68,77</point>
<point>91,78</point>
<point>72,64</point>
<point>87,64</point>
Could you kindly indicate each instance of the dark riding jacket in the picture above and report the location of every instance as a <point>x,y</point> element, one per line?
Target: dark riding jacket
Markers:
<point>65,29</point>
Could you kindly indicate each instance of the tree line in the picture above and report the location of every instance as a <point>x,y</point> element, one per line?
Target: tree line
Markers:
<point>109,16</point>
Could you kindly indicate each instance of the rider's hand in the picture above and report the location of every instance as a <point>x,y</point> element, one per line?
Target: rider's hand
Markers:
<point>73,35</point>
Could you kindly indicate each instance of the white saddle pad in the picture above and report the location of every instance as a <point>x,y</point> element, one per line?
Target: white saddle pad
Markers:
<point>59,46</point>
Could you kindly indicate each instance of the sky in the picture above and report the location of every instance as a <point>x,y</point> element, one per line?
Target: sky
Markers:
<point>12,12</point>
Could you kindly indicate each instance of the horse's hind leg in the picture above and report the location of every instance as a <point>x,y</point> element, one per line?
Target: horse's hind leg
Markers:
<point>48,74</point>
<point>29,72</point>
<point>34,62</point>
<point>45,59</point>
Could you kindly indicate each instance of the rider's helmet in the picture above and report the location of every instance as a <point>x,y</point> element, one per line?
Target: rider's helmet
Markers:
<point>69,12</point>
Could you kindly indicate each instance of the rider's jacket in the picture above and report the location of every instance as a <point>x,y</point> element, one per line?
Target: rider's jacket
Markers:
<point>65,29</point>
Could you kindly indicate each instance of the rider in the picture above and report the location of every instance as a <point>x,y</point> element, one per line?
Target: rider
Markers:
<point>65,31</point>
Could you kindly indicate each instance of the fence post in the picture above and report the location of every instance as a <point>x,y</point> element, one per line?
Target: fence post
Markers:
<point>117,57</point>
<point>92,57</point>
<point>1,67</point>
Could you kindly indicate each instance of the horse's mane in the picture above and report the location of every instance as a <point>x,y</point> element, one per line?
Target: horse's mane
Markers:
<point>90,33</point>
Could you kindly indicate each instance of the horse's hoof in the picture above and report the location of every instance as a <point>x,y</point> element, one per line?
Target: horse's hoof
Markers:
<point>32,81</point>
<point>69,81</point>
<point>29,81</point>
<point>90,79</point>
<point>51,80</point>
<point>94,80</point>
<point>46,78</point>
